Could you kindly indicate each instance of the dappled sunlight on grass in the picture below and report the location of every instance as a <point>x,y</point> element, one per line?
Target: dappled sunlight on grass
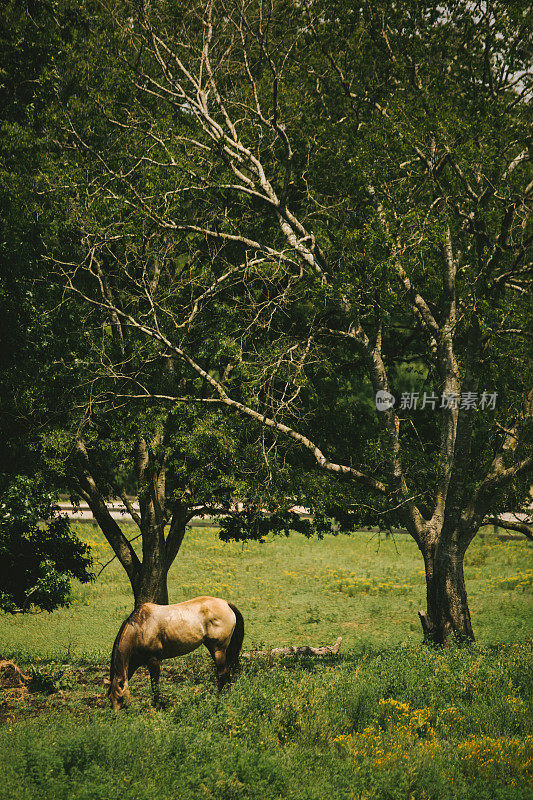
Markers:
<point>293,590</point>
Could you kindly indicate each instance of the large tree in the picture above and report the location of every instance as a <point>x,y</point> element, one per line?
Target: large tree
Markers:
<point>65,418</point>
<point>347,190</point>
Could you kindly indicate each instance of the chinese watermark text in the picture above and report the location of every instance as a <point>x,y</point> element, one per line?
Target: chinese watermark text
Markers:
<point>468,401</point>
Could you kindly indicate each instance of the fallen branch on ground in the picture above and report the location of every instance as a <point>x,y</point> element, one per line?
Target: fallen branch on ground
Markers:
<point>305,650</point>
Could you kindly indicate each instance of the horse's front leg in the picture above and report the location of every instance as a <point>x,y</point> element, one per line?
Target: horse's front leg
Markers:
<point>154,666</point>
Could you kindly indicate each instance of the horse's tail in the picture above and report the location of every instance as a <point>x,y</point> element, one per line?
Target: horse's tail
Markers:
<point>234,647</point>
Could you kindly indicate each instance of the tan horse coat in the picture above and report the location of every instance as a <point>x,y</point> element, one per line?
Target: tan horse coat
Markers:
<point>155,632</point>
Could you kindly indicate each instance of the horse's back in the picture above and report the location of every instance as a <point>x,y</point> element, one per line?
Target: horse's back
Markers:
<point>217,615</point>
<point>179,628</point>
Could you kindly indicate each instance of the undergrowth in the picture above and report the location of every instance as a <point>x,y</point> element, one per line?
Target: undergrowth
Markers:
<point>396,723</point>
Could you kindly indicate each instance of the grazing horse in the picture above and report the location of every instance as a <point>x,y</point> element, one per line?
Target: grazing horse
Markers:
<point>152,633</point>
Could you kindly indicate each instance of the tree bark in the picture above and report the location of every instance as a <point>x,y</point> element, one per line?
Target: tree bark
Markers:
<point>180,517</point>
<point>85,485</point>
<point>447,613</point>
<point>151,584</point>
<point>159,555</point>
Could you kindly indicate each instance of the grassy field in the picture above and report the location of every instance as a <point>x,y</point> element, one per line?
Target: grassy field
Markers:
<point>386,719</point>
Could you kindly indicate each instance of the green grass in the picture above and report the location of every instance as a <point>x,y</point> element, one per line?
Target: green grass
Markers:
<point>395,722</point>
<point>387,719</point>
<point>292,591</point>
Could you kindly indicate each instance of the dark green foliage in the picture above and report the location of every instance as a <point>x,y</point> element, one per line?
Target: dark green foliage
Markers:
<point>35,346</point>
<point>37,563</point>
<point>253,523</point>
<point>361,93</point>
<point>408,108</point>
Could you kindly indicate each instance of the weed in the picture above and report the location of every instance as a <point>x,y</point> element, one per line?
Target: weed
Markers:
<point>49,678</point>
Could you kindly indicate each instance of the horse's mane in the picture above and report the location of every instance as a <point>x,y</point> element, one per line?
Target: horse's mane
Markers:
<point>117,664</point>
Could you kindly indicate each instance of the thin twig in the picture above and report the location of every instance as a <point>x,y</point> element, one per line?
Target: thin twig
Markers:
<point>112,559</point>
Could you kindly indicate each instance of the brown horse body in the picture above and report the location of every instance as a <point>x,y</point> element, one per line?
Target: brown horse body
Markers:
<point>152,633</point>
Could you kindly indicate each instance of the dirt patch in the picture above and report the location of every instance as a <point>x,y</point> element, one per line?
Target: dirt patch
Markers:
<point>173,675</point>
<point>89,676</point>
<point>83,688</point>
<point>96,702</point>
<point>11,676</point>
<point>14,708</point>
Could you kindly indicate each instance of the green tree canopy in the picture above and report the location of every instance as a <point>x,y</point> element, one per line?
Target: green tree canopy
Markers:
<point>69,416</point>
<point>337,203</point>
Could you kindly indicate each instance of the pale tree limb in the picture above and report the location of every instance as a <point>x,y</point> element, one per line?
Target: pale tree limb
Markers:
<point>497,478</point>
<point>241,408</point>
<point>449,375</point>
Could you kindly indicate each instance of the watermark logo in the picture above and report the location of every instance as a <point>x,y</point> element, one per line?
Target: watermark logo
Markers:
<point>466,401</point>
<point>384,400</point>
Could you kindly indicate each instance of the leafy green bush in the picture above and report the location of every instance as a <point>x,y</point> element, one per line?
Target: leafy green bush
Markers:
<point>37,563</point>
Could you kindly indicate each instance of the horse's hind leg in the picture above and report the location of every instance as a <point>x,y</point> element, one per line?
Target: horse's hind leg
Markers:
<point>154,666</point>
<point>218,655</point>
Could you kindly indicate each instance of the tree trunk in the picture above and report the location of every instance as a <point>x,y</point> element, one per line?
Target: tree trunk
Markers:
<point>151,585</point>
<point>148,577</point>
<point>447,603</point>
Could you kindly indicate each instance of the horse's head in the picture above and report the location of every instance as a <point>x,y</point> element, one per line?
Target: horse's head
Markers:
<point>117,691</point>
<point>117,685</point>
